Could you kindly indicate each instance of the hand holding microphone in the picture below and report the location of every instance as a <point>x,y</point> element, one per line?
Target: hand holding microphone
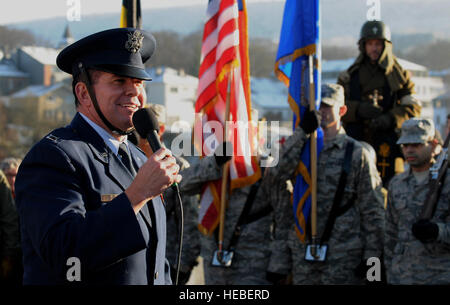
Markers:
<point>159,172</point>
<point>147,126</point>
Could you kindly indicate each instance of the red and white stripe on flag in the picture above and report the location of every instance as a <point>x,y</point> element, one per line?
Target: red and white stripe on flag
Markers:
<point>224,58</point>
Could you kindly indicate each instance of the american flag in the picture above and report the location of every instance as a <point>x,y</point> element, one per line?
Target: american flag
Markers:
<point>224,60</point>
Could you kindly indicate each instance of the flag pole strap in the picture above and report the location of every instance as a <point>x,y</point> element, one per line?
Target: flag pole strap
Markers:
<point>225,171</point>
<point>312,106</point>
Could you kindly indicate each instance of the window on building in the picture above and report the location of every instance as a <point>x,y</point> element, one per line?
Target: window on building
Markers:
<point>51,99</point>
<point>173,89</point>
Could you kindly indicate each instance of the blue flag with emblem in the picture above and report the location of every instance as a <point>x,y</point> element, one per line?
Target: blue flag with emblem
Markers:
<point>299,39</point>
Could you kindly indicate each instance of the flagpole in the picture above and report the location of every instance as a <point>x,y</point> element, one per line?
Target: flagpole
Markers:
<point>225,170</point>
<point>312,107</point>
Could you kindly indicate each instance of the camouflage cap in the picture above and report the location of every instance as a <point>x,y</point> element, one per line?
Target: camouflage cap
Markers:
<point>417,130</point>
<point>333,94</point>
<point>160,112</point>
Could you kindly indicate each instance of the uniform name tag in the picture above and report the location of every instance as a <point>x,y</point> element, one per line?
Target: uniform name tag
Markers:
<point>108,197</point>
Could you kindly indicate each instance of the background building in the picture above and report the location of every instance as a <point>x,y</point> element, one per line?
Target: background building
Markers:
<point>45,103</point>
<point>174,89</point>
<point>11,78</point>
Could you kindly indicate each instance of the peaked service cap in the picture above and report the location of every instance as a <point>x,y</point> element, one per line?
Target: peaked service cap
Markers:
<point>121,51</point>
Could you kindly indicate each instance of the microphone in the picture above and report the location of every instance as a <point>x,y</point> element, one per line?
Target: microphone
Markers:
<point>147,126</point>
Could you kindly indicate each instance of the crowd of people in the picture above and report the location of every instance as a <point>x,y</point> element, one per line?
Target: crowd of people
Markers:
<point>96,191</point>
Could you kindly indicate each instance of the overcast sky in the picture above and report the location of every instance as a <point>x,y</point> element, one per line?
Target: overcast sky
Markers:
<point>13,11</point>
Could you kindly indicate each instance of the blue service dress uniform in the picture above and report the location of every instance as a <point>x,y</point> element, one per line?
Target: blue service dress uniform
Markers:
<point>71,203</point>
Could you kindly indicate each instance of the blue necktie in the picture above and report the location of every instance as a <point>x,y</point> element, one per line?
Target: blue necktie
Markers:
<point>126,159</point>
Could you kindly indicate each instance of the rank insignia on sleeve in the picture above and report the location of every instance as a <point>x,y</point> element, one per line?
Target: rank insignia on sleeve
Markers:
<point>108,197</point>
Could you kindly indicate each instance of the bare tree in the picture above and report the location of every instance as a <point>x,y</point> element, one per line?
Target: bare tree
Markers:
<point>434,56</point>
<point>335,52</point>
<point>262,54</point>
<point>13,38</point>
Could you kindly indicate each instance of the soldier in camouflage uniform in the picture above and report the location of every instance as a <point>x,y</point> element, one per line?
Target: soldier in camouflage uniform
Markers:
<point>417,252</point>
<point>191,244</point>
<point>358,233</point>
<point>9,234</point>
<point>379,98</point>
<point>251,252</point>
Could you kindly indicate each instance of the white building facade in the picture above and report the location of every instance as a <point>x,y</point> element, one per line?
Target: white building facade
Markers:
<point>175,90</point>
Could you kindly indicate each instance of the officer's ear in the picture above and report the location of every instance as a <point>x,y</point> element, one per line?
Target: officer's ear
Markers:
<point>83,95</point>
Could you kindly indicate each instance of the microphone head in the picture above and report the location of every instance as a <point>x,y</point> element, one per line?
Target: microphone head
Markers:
<point>145,121</point>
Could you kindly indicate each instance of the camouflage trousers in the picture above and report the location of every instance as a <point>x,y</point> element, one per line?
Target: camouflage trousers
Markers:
<point>338,269</point>
<point>248,273</point>
<point>250,261</point>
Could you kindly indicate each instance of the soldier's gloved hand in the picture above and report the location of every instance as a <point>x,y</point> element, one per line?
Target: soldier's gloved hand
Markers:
<point>425,231</point>
<point>368,110</point>
<point>361,270</point>
<point>383,122</point>
<point>6,267</point>
<point>220,154</point>
<point>310,121</point>
<point>276,278</point>
<point>183,276</point>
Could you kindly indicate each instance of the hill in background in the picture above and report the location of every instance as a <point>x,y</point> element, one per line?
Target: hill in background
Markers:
<point>341,21</point>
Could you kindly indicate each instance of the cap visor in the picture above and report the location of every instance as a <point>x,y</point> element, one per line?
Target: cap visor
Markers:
<point>124,70</point>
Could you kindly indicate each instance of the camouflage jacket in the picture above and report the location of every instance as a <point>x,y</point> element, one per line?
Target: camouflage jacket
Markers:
<point>9,220</point>
<point>252,247</point>
<point>358,233</point>
<point>191,243</point>
<point>408,260</point>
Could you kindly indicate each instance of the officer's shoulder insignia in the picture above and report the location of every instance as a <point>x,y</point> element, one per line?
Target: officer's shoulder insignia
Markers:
<point>134,42</point>
<point>52,138</point>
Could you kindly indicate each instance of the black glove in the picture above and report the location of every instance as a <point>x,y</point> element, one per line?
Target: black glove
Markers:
<point>383,122</point>
<point>425,230</point>
<point>310,121</point>
<point>221,153</point>
<point>276,278</point>
<point>361,270</point>
<point>183,275</point>
<point>368,110</point>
